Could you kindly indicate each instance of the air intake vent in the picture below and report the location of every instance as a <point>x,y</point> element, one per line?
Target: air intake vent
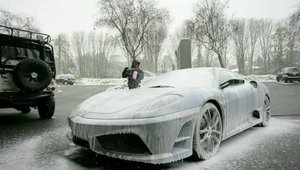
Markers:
<point>123,143</point>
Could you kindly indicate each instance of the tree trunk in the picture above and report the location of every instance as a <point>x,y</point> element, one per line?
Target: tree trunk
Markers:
<point>221,61</point>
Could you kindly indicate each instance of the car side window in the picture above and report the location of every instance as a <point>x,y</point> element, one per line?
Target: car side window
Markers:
<point>227,75</point>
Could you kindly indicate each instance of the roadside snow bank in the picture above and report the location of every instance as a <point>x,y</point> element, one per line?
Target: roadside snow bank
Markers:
<point>264,78</point>
<point>95,81</point>
<point>115,83</point>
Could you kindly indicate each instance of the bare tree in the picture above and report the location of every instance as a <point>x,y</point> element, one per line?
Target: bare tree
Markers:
<point>10,19</point>
<point>240,39</point>
<point>295,17</point>
<point>279,38</point>
<point>265,41</point>
<point>190,31</point>
<point>132,19</point>
<point>211,23</point>
<point>155,37</point>
<point>78,45</point>
<point>64,59</point>
<point>93,51</point>
<point>292,44</point>
<point>253,28</point>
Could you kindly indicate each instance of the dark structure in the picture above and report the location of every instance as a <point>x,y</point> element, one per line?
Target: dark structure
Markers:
<point>183,54</point>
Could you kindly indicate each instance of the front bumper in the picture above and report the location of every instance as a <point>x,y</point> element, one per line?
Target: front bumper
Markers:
<point>151,140</point>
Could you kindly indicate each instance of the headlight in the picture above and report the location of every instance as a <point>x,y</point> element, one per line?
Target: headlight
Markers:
<point>161,102</point>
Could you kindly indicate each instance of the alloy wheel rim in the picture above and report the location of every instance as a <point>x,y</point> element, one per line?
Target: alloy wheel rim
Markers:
<point>210,131</point>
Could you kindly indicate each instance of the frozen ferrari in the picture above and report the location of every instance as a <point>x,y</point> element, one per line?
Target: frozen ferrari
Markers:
<point>172,116</point>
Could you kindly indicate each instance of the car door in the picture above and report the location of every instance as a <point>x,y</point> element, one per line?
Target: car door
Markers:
<point>238,97</point>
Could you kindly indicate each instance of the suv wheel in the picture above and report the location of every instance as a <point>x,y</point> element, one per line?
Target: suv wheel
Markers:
<point>65,83</point>
<point>32,75</point>
<point>46,108</point>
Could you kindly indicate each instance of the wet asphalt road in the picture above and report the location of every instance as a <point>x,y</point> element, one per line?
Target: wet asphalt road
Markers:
<point>26,142</point>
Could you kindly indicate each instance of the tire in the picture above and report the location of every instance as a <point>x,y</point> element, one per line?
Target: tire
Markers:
<point>25,110</point>
<point>208,132</point>
<point>32,75</point>
<point>266,113</point>
<point>285,80</point>
<point>65,83</point>
<point>46,108</point>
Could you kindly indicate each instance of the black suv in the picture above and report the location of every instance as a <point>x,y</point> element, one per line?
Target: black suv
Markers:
<point>27,68</point>
<point>289,74</point>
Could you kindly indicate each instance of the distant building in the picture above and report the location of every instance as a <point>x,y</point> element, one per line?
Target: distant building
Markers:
<point>183,54</point>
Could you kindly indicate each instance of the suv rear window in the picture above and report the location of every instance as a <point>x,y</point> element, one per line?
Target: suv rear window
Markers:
<point>14,52</point>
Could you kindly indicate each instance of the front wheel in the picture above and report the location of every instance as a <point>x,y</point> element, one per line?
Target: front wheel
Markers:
<point>208,132</point>
<point>46,108</point>
<point>266,112</point>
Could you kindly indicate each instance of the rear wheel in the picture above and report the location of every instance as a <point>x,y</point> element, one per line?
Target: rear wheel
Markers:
<point>208,132</point>
<point>266,113</point>
<point>46,108</point>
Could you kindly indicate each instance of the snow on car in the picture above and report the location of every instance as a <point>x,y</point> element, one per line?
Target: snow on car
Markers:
<point>171,117</point>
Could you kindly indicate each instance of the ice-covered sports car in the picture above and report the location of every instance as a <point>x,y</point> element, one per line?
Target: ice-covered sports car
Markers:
<point>172,116</point>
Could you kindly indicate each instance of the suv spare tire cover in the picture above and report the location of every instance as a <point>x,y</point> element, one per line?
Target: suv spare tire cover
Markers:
<point>32,75</point>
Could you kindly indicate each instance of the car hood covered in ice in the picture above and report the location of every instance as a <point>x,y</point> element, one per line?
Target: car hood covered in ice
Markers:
<point>168,93</point>
<point>132,104</point>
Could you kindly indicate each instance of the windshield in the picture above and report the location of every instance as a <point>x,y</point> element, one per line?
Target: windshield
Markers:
<point>198,77</point>
<point>291,69</point>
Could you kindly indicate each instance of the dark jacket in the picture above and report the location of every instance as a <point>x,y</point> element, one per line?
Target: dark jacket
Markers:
<point>134,76</point>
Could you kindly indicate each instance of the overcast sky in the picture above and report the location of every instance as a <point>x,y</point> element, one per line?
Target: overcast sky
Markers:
<point>56,16</point>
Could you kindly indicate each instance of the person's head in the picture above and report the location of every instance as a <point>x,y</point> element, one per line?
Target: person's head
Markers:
<point>135,64</point>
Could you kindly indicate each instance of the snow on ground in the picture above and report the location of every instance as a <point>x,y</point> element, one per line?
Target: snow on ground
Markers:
<point>255,148</point>
<point>264,78</point>
<point>106,81</point>
<point>115,83</point>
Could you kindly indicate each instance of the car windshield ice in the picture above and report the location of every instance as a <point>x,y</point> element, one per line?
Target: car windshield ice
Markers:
<point>184,78</point>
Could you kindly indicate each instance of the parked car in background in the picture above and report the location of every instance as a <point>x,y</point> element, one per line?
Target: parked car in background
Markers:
<point>289,74</point>
<point>65,79</point>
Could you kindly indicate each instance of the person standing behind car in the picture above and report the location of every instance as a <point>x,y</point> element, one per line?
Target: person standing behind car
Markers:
<point>134,75</point>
